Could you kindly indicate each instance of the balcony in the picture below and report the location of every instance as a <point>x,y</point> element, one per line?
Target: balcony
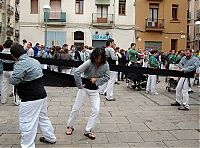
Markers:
<point>103,20</point>
<point>198,14</point>
<point>17,33</point>
<point>17,2</point>
<point>0,26</point>
<point>9,31</point>
<point>189,15</point>
<point>10,10</point>
<point>55,18</point>
<point>16,16</point>
<point>154,25</point>
<point>1,4</point>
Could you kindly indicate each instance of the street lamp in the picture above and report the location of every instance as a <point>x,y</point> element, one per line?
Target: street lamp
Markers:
<point>46,9</point>
<point>197,23</point>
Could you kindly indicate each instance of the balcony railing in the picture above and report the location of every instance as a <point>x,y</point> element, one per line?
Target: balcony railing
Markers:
<point>154,24</point>
<point>16,33</point>
<point>55,17</point>
<point>102,19</point>
<point>198,14</point>
<point>17,16</point>
<point>0,26</point>
<point>9,30</point>
<point>17,1</point>
<point>10,10</point>
<point>1,4</point>
<point>189,15</point>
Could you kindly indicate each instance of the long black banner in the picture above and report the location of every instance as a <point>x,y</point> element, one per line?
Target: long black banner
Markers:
<point>120,68</point>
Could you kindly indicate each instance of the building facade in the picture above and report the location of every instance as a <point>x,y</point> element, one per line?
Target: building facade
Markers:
<point>193,29</point>
<point>161,24</point>
<point>9,20</point>
<point>79,22</point>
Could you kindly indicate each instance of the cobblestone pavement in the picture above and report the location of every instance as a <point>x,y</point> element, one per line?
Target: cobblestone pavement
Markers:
<point>135,119</point>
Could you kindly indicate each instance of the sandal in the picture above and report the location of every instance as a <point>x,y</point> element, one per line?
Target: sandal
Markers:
<point>90,135</point>
<point>69,130</point>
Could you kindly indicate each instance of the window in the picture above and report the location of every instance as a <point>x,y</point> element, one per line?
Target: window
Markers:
<point>34,6</point>
<point>153,12</point>
<point>79,6</point>
<point>174,12</point>
<point>122,7</point>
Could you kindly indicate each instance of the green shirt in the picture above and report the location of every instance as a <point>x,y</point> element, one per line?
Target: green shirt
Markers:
<point>153,63</point>
<point>172,59</point>
<point>132,55</point>
<point>178,58</point>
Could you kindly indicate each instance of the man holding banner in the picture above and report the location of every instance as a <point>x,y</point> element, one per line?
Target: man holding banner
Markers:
<point>187,64</point>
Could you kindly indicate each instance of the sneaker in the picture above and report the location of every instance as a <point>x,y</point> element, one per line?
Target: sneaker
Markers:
<point>42,139</point>
<point>190,91</point>
<point>175,104</point>
<point>110,99</point>
<point>183,108</point>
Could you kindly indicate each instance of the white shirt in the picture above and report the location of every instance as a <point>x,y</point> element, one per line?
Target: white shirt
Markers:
<point>30,52</point>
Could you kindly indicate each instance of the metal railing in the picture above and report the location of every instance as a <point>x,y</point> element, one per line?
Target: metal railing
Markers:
<point>10,10</point>
<point>17,1</point>
<point>99,18</point>
<point>198,14</point>
<point>189,14</point>
<point>154,24</point>
<point>55,16</point>
<point>16,15</point>
<point>1,4</point>
<point>9,30</point>
<point>16,33</point>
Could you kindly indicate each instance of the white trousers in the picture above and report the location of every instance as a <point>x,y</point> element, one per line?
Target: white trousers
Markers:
<point>95,106</point>
<point>31,115</point>
<point>110,85</point>
<point>5,86</point>
<point>151,84</point>
<point>182,92</point>
<point>103,88</point>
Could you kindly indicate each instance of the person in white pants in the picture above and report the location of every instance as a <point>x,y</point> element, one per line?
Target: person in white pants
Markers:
<point>7,72</point>
<point>111,58</point>
<point>151,81</point>
<point>96,72</point>
<point>187,64</point>
<point>27,79</point>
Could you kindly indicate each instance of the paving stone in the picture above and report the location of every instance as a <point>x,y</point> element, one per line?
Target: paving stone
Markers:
<point>106,120</point>
<point>113,145</point>
<point>159,125</point>
<point>185,134</point>
<point>148,145</point>
<point>107,128</point>
<point>156,136</point>
<point>5,146</point>
<point>9,128</point>
<point>132,120</point>
<point>183,143</point>
<point>124,137</point>
<point>188,125</point>
<point>8,139</point>
<point>133,127</point>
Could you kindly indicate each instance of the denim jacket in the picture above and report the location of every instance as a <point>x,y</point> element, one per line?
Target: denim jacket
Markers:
<point>25,70</point>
